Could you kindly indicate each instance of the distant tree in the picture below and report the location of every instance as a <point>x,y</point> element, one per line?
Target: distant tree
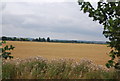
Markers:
<point>43,40</point>
<point>39,39</point>
<point>4,38</point>
<point>36,39</point>
<point>14,39</point>
<point>107,14</point>
<point>48,39</point>
<point>10,39</point>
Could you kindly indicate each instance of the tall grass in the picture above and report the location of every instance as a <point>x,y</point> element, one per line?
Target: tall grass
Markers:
<point>41,68</point>
<point>0,68</point>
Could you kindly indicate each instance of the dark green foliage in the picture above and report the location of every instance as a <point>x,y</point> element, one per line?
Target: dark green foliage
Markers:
<point>39,39</point>
<point>6,50</point>
<point>4,38</point>
<point>107,14</point>
<point>43,40</point>
<point>48,39</point>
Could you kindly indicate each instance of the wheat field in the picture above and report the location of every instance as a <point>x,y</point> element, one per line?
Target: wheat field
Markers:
<point>96,52</point>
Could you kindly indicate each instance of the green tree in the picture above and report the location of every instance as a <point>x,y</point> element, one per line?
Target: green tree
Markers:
<point>48,39</point>
<point>43,40</point>
<point>108,14</point>
<point>14,39</point>
<point>4,38</point>
<point>39,39</point>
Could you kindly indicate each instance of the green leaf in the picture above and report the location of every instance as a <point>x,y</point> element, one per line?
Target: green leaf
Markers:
<point>6,47</point>
<point>3,42</point>
<point>0,43</point>
<point>3,50</point>
<point>111,61</point>
<point>11,47</point>
<point>7,53</point>
<point>10,57</point>
<point>108,65</point>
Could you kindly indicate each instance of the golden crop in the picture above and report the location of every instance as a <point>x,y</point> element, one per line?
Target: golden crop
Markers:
<point>96,52</point>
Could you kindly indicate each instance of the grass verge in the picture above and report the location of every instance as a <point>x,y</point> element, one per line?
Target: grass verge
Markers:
<point>41,68</point>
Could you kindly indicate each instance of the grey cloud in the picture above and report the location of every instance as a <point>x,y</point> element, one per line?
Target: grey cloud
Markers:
<point>2,6</point>
<point>51,19</point>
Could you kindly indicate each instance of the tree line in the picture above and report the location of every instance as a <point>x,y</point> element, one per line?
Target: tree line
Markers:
<point>40,39</point>
<point>4,38</point>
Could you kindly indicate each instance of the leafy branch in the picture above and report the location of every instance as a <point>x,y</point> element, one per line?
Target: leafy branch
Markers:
<point>6,50</point>
<point>107,14</point>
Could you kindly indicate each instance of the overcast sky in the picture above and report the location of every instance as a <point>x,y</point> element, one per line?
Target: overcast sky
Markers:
<point>57,20</point>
